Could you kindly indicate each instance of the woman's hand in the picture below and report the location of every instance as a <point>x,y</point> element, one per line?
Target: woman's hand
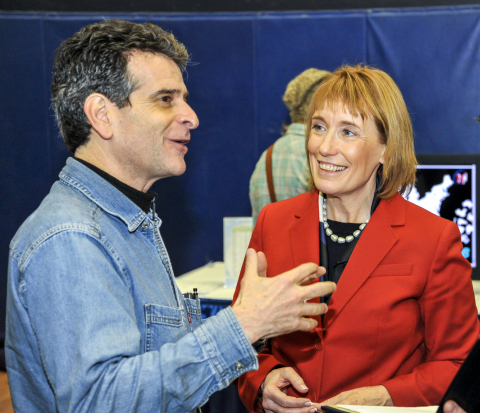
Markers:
<point>368,396</point>
<point>275,388</point>
<point>452,407</point>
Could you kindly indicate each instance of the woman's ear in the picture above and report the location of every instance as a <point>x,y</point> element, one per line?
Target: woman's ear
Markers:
<point>382,160</point>
<point>96,108</point>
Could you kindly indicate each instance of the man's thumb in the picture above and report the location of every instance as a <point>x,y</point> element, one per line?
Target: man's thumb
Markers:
<point>251,264</point>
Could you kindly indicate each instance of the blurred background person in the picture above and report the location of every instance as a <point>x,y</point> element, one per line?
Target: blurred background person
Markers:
<point>288,171</point>
<point>403,317</point>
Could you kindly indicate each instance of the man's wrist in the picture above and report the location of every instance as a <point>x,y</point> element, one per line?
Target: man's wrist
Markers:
<point>248,323</point>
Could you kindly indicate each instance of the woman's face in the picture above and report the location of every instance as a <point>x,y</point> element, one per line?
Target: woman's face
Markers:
<point>344,153</point>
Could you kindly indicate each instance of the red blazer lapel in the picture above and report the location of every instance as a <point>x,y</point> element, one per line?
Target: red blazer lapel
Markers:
<point>305,240</point>
<point>376,241</point>
<point>304,235</point>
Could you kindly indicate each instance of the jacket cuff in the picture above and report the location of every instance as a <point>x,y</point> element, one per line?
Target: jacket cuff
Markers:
<point>402,392</point>
<point>226,345</point>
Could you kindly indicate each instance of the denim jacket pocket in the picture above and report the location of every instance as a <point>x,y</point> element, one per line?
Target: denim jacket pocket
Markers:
<point>194,311</point>
<point>163,325</point>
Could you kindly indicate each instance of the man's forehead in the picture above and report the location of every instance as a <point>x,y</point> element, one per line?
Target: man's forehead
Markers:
<point>155,68</point>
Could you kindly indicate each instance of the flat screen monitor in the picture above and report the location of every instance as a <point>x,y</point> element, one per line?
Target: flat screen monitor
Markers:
<point>447,186</point>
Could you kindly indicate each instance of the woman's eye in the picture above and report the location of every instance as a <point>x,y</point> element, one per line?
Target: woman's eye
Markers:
<point>318,127</point>
<point>348,132</point>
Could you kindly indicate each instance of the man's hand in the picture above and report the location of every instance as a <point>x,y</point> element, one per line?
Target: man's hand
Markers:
<point>452,407</point>
<point>363,396</point>
<point>275,388</point>
<point>268,307</point>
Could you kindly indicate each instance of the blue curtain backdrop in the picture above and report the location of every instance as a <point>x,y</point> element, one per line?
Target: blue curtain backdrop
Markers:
<point>243,62</point>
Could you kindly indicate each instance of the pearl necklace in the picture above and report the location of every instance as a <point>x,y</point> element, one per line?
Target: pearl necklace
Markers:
<point>336,238</point>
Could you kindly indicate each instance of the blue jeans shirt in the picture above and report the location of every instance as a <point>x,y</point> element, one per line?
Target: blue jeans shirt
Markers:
<point>95,321</point>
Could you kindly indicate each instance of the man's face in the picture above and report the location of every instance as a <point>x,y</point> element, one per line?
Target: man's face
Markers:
<point>151,134</point>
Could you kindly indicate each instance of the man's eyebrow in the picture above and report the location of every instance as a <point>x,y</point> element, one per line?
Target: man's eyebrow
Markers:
<point>166,91</point>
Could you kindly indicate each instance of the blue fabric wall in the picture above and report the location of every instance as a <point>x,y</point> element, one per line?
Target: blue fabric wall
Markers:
<point>244,63</point>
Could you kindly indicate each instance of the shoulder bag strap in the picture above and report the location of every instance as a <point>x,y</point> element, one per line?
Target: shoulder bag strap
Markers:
<point>268,168</point>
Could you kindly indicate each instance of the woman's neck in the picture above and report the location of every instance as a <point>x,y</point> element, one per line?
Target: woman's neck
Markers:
<point>346,209</point>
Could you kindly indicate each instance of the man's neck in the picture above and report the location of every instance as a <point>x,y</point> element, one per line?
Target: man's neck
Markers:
<point>107,163</point>
<point>141,199</point>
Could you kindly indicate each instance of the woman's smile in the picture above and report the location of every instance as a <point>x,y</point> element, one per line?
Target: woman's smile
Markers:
<point>331,167</point>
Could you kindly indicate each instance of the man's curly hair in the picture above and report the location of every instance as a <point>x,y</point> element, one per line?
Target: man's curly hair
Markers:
<point>94,60</point>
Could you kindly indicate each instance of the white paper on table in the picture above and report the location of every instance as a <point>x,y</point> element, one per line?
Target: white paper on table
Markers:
<point>237,232</point>
<point>390,409</point>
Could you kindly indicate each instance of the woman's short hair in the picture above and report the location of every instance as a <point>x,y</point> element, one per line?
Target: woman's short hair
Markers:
<point>369,92</point>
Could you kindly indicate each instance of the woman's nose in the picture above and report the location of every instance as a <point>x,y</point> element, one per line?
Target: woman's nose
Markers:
<point>327,145</point>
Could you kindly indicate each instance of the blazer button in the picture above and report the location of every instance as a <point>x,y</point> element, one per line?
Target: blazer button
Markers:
<point>318,344</point>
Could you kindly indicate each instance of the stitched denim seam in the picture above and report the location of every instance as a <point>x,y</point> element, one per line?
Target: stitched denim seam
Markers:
<point>69,181</point>
<point>80,228</point>
<point>74,228</point>
<point>206,344</point>
<point>172,321</point>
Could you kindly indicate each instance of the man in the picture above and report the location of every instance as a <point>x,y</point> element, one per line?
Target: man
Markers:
<point>95,321</point>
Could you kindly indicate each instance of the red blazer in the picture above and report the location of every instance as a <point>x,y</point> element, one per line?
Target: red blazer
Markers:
<point>403,314</point>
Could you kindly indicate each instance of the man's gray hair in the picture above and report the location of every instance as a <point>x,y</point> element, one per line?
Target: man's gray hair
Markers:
<point>94,60</point>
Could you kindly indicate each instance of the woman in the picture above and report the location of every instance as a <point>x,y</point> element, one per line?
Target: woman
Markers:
<point>403,317</point>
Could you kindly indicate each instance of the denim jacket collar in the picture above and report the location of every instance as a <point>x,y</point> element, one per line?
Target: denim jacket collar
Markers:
<point>102,193</point>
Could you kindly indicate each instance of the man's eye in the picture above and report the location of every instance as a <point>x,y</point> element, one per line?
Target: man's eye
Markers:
<point>166,99</point>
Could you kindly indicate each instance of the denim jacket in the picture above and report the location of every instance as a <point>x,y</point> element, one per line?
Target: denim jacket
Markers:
<point>95,321</point>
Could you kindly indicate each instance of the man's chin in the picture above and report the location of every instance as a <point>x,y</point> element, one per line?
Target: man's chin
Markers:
<point>177,171</point>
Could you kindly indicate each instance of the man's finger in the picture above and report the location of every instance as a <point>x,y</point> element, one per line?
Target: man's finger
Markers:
<point>312,277</point>
<point>262,264</point>
<point>318,289</point>
<point>300,273</point>
<point>306,324</point>
<point>313,309</point>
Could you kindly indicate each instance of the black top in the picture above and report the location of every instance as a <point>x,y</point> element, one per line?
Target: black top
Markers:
<point>142,199</point>
<point>334,256</point>
<point>338,254</point>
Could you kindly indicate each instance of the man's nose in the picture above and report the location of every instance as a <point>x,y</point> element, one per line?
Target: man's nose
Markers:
<point>188,117</point>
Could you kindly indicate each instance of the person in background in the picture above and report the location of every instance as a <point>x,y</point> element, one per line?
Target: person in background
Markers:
<point>289,169</point>
<point>95,320</point>
<point>403,317</point>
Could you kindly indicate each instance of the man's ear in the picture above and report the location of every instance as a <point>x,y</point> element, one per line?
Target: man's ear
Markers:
<point>97,108</point>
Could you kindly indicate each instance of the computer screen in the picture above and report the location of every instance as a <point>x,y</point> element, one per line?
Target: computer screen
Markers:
<point>447,186</point>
